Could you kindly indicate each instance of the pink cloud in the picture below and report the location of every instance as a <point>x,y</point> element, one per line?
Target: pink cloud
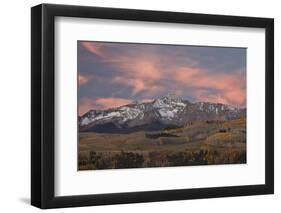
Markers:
<point>139,72</point>
<point>93,47</point>
<point>142,67</point>
<point>87,104</point>
<point>230,88</point>
<point>106,103</point>
<point>82,79</point>
<point>138,85</point>
<point>144,71</point>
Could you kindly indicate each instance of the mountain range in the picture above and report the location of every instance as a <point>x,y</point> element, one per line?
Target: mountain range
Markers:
<point>169,111</point>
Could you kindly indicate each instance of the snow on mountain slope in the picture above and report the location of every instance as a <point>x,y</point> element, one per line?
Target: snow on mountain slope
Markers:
<point>169,106</point>
<point>168,110</point>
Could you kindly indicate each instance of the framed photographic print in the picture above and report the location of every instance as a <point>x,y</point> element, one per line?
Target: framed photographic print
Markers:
<point>139,106</point>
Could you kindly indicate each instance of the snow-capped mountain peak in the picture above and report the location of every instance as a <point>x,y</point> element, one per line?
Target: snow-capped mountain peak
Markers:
<point>168,101</point>
<point>169,106</point>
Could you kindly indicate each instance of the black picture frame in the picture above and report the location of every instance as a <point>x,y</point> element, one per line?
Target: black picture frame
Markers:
<point>43,111</point>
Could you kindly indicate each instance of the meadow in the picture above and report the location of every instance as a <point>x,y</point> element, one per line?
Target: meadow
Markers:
<point>197,143</point>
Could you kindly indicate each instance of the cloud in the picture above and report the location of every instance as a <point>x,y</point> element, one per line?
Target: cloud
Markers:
<point>93,47</point>
<point>83,79</point>
<point>138,85</point>
<point>228,88</point>
<point>146,68</point>
<point>88,103</point>
<point>85,104</point>
<point>105,103</point>
<point>139,70</point>
<point>141,73</point>
<point>151,71</point>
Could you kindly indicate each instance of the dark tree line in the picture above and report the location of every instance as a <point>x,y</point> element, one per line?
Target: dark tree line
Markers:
<point>157,159</point>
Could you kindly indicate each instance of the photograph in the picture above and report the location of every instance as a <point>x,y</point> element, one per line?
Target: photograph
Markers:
<point>160,105</point>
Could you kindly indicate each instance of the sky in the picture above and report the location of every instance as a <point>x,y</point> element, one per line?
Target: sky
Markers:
<point>114,74</point>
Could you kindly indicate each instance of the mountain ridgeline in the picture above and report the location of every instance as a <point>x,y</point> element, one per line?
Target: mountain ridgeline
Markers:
<point>167,112</point>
